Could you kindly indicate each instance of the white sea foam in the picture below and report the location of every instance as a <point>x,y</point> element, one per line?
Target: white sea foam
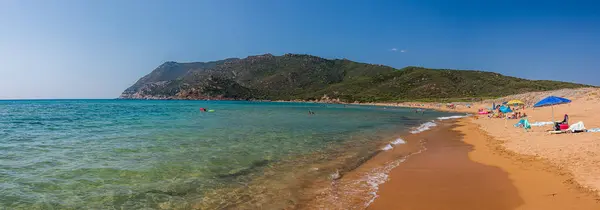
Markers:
<point>451,117</point>
<point>374,180</point>
<point>395,142</point>
<point>380,175</point>
<point>398,141</point>
<point>387,147</point>
<point>423,127</point>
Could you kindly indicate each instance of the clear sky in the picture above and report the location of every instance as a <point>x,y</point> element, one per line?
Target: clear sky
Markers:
<point>96,49</point>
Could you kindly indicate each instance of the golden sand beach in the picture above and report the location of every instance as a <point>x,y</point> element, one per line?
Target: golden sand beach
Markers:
<point>487,163</point>
<point>464,168</point>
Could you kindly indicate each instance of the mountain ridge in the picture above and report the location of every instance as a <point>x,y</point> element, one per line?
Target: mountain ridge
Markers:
<point>308,77</point>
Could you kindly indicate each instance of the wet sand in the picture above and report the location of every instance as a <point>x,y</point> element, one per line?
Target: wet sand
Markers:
<point>444,177</point>
<point>463,169</point>
<point>355,189</point>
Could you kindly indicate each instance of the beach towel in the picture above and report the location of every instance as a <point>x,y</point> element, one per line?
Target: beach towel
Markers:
<point>538,124</point>
<point>520,123</point>
<point>594,130</point>
<point>577,127</point>
<point>525,123</point>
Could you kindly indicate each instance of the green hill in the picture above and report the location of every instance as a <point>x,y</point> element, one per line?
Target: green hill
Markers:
<point>306,77</point>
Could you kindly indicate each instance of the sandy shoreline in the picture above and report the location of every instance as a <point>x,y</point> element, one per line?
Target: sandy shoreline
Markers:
<point>478,163</point>
<point>357,188</point>
<point>576,154</point>
<point>464,168</point>
<point>482,163</point>
<point>509,168</point>
<point>444,177</point>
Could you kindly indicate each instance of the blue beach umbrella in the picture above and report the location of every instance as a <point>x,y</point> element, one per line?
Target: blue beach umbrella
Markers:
<point>551,101</point>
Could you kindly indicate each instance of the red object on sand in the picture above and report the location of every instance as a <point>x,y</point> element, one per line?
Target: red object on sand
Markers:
<point>564,126</point>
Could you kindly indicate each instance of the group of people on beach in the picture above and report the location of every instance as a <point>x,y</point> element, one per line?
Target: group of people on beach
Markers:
<point>517,115</point>
<point>497,113</point>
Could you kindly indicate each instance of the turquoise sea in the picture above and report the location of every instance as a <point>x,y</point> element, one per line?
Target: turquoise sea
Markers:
<point>138,154</point>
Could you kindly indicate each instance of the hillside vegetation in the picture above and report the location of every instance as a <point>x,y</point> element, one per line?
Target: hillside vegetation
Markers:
<point>306,77</point>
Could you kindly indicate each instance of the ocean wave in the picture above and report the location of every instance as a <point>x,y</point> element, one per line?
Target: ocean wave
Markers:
<point>374,180</point>
<point>451,117</point>
<point>380,175</point>
<point>398,141</point>
<point>391,144</point>
<point>387,147</point>
<point>423,127</point>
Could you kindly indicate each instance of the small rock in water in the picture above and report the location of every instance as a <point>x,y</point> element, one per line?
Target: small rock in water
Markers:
<point>164,205</point>
<point>336,175</point>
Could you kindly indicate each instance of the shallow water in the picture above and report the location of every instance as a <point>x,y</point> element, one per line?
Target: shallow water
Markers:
<point>168,155</point>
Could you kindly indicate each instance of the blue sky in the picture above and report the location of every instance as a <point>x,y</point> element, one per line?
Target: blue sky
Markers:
<point>96,49</point>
